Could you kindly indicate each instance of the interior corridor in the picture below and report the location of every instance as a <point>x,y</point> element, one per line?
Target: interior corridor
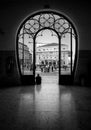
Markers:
<point>48,106</point>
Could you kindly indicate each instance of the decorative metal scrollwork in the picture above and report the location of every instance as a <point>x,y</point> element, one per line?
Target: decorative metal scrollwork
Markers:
<point>32,26</point>
<point>46,20</point>
<point>61,26</point>
<point>43,20</point>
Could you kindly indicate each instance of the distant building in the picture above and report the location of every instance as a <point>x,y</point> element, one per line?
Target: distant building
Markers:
<point>25,57</point>
<point>50,53</point>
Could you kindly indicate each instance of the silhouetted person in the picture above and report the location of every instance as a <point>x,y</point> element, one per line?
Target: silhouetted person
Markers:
<point>52,68</point>
<point>38,79</point>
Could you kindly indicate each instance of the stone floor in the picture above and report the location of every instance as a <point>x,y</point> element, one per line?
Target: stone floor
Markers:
<point>48,106</point>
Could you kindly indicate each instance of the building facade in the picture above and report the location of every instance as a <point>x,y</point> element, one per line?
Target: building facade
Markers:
<point>25,57</point>
<point>49,53</point>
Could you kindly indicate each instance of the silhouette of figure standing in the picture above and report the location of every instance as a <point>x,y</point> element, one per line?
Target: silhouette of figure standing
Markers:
<point>38,79</point>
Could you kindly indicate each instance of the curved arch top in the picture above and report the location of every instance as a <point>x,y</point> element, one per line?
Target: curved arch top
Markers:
<point>48,18</point>
<point>41,20</point>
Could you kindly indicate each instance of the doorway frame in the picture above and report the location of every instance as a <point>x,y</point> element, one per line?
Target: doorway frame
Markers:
<point>69,79</point>
<point>59,48</point>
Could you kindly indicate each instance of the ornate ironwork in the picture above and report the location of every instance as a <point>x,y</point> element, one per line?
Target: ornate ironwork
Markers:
<point>46,20</point>
<point>61,26</point>
<point>43,20</point>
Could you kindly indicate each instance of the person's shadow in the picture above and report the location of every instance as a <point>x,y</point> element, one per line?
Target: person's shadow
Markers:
<point>38,88</point>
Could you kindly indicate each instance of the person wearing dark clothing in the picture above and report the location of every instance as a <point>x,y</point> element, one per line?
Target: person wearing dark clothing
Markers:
<point>52,68</point>
<point>38,79</point>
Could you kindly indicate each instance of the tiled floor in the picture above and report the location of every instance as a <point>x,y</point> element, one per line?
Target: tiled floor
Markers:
<point>45,107</point>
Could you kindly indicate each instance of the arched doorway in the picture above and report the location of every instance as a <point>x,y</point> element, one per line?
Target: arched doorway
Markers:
<point>47,55</point>
<point>68,45</point>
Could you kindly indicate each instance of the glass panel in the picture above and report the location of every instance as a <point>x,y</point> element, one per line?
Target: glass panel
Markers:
<point>73,48</point>
<point>65,54</point>
<point>68,48</point>
<point>25,48</point>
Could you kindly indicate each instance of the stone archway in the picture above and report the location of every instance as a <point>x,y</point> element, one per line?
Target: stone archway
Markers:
<point>25,43</point>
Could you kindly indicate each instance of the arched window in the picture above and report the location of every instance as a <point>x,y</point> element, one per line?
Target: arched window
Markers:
<point>67,41</point>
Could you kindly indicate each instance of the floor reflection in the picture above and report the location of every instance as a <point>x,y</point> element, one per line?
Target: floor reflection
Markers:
<point>47,106</point>
<point>48,98</point>
<point>68,111</point>
<point>26,107</point>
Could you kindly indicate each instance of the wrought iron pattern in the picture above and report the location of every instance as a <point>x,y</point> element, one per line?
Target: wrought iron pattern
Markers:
<point>61,26</point>
<point>46,20</point>
<point>43,20</point>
